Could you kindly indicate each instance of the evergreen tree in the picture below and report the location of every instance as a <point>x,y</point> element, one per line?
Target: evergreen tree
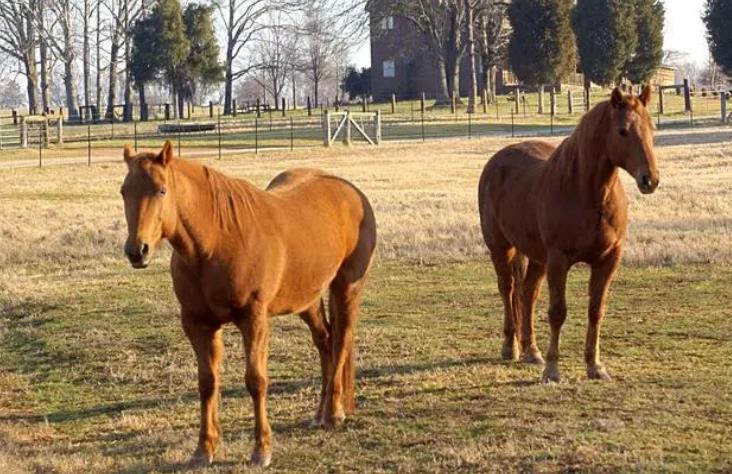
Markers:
<point>173,45</point>
<point>606,38</point>
<point>541,48</point>
<point>201,65</point>
<point>144,65</point>
<point>718,18</point>
<point>649,49</point>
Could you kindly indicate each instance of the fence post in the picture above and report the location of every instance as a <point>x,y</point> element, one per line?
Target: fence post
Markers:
<point>570,102</point>
<point>453,104</point>
<point>422,114</point>
<point>723,104</point>
<point>259,108</point>
<point>233,107</point>
<point>393,103</point>
<point>326,125</point>
<point>310,108</point>
<point>378,127</point>
<point>363,104</point>
<point>292,134</point>
<point>284,107</point>
<point>218,129</point>
<point>485,100</point>
<point>553,102</point>
<point>348,127</point>
<point>60,130</point>
<point>23,133</point>
<point>134,124</point>
<point>256,135</point>
<point>518,97</point>
<point>15,117</point>
<point>167,112</point>
<point>40,145</point>
<point>210,109</point>
<point>687,96</point>
<point>660,101</point>
<point>88,145</point>
<point>470,126</point>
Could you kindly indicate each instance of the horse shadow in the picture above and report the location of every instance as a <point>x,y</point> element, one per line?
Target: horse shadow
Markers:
<point>277,387</point>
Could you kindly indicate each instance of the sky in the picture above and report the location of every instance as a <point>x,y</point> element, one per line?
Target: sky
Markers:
<point>684,32</point>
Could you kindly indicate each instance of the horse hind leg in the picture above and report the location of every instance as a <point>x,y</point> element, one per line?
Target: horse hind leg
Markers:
<point>317,321</point>
<point>502,262</point>
<point>345,301</point>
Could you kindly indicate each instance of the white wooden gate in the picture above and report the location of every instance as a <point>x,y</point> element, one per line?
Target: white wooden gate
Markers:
<point>337,123</point>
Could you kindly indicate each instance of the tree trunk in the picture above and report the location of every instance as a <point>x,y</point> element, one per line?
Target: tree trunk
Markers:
<point>112,91</point>
<point>492,86</point>
<point>71,102</point>
<point>99,65</point>
<point>473,92</point>
<point>128,77</point>
<point>229,64</point>
<point>316,91</point>
<point>541,99</point>
<point>87,56</point>
<point>443,92</point>
<point>143,103</point>
<point>45,86</point>
<point>32,78</point>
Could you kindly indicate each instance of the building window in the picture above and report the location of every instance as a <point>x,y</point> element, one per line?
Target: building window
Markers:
<point>389,69</point>
<point>387,23</point>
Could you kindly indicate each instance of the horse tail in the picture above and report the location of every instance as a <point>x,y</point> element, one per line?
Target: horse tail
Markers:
<point>519,264</point>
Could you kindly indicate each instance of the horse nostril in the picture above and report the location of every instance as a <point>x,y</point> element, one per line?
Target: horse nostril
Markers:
<point>144,249</point>
<point>646,180</point>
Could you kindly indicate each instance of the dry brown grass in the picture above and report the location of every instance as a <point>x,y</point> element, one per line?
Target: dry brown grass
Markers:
<point>424,197</point>
<point>96,375</point>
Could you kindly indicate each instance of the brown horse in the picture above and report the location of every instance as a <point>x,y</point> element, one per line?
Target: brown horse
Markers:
<point>240,255</point>
<point>543,209</point>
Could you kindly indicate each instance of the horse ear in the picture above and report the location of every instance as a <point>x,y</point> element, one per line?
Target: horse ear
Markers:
<point>616,99</point>
<point>166,154</point>
<point>645,95</point>
<point>129,155</point>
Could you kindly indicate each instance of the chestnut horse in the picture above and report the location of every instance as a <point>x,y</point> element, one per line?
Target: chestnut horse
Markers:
<point>240,255</point>
<point>545,208</point>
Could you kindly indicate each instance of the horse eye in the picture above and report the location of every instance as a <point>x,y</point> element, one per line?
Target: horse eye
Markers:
<point>623,132</point>
<point>162,191</point>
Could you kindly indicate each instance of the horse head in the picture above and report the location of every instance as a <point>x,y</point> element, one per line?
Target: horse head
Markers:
<point>148,204</point>
<point>630,138</point>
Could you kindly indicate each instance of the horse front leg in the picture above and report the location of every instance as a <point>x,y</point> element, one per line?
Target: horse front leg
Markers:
<point>600,280</point>
<point>255,332</point>
<point>209,349</point>
<point>557,269</point>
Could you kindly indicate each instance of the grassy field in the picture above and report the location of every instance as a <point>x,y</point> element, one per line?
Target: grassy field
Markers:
<point>96,375</point>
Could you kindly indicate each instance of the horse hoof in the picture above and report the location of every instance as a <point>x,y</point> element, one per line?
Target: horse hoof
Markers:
<point>532,357</point>
<point>199,460</point>
<point>551,373</point>
<point>260,459</point>
<point>317,421</point>
<point>597,372</point>
<point>509,352</point>
<point>336,420</point>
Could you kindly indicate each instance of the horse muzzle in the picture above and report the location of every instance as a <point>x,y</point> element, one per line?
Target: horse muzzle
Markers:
<point>138,254</point>
<point>647,184</point>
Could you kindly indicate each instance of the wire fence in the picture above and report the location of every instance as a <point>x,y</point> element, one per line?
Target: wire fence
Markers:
<point>52,141</point>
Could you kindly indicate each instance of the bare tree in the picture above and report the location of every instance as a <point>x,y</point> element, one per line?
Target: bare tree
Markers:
<point>241,19</point>
<point>276,45</point>
<point>18,40</point>
<point>59,37</point>
<point>492,41</point>
<point>122,15</point>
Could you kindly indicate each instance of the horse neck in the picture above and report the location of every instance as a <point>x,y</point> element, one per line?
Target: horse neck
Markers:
<point>583,158</point>
<point>203,209</point>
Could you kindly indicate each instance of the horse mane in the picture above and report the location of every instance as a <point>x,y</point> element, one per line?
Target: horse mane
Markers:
<point>225,199</point>
<point>585,143</point>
